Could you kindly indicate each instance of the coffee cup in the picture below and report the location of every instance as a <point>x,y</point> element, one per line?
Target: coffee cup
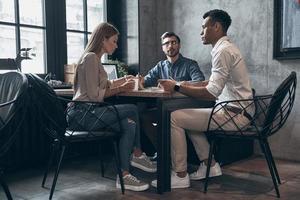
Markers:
<point>136,84</point>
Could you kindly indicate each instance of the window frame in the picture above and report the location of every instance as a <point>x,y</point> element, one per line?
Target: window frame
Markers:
<point>56,33</point>
<point>279,52</point>
<point>55,38</point>
<point>17,26</point>
<point>85,32</point>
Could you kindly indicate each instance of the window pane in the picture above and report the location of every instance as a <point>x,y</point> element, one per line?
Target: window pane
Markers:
<point>75,46</point>
<point>94,13</point>
<point>7,11</point>
<point>31,12</point>
<point>74,9</point>
<point>7,42</point>
<point>33,38</point>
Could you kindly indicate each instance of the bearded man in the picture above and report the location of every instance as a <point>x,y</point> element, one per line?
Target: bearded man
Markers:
<point>175,67</point>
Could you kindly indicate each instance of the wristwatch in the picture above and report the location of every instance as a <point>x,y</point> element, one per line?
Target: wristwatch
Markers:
<point>177,87</point>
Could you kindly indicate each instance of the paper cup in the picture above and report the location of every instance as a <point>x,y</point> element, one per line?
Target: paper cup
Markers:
<point>136,84</point>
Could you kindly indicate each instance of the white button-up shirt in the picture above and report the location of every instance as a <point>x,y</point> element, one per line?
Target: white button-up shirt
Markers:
<point>229,78</point>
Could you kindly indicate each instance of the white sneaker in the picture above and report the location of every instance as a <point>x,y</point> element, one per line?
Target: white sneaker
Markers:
<point>132,183</point>
<point>144,163</point>
<point>201,172</point>
<point>176,182</point>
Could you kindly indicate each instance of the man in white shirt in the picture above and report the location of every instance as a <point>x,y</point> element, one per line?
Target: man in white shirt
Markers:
<point>229,80</point>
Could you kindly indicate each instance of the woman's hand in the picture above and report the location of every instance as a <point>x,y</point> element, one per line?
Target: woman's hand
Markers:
<point>128,77</point>
<point>118,82</point>
<point>141,81</point>
<point>127,86</point>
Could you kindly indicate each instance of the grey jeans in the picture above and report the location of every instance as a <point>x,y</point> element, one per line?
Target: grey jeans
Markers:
<point>129,119</point>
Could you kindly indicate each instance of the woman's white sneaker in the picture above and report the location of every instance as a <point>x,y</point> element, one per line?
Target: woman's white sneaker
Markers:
<point>201,172</point>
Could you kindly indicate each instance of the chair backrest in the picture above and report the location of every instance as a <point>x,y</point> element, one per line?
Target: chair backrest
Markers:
<point>12,84</point>
<point>280,106</point>
<point>13,105</point>
<point>48,106</point>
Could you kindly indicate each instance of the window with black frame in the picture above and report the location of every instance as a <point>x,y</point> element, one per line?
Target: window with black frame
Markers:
<point>56,31</point>
<point>82,16</point>
<point>23,26</point>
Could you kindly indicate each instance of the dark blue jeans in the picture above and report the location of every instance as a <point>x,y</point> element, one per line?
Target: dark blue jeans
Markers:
<point>129,119</point>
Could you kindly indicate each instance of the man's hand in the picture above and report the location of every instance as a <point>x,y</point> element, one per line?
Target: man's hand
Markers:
<point>167,84</point>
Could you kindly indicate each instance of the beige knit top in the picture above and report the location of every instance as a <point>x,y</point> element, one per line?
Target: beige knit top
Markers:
<point>91,80</point>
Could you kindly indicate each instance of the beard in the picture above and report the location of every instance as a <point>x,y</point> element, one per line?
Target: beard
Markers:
<point>172,52</point>
<point>203,40</point>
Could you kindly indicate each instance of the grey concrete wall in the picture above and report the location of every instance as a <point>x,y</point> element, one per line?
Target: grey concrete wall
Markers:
<point>251,30</point>
<point>153,22</point>
<point>147,34</point>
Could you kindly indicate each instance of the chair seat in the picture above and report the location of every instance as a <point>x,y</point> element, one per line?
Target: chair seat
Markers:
<point>73,136</point>
<point>251,132</point>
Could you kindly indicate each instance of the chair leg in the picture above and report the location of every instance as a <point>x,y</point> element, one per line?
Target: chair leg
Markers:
<point>273,162</point>
<point>5,187</point>
<point>211,149</point>
<point>263,146</point>
<point>270,157</point>
<point>63,147</point>
<point>54,147</point>
<point>101,160</point>
<point>118,164</point>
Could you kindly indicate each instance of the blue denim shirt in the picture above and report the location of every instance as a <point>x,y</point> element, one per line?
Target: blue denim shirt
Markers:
<point>184,69</point>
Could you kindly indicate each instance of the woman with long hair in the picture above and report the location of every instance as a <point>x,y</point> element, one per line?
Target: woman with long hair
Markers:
<point>91,84</point>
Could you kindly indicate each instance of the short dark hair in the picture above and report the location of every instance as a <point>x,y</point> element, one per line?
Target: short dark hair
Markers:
<point>169,34</point>
<point>219,16</point>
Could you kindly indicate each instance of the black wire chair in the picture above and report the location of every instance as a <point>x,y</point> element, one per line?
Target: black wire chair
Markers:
<point>271,112</point>
<point>13,105</point>
<point>66,128</point>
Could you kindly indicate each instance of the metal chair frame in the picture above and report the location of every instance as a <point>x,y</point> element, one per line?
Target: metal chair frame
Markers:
<point>63,135</point>
<point>271,113</point>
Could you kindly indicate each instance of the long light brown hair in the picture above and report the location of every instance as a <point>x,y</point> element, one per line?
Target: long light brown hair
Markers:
<point>102,31</point>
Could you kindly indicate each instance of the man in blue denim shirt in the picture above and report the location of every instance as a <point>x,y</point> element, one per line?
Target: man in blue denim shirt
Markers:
<point>175,66</point>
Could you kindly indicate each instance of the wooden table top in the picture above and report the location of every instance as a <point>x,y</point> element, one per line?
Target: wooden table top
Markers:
<point>147,92</point>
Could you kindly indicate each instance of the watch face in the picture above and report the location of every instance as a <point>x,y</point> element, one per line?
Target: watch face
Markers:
<point>176,87</point>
